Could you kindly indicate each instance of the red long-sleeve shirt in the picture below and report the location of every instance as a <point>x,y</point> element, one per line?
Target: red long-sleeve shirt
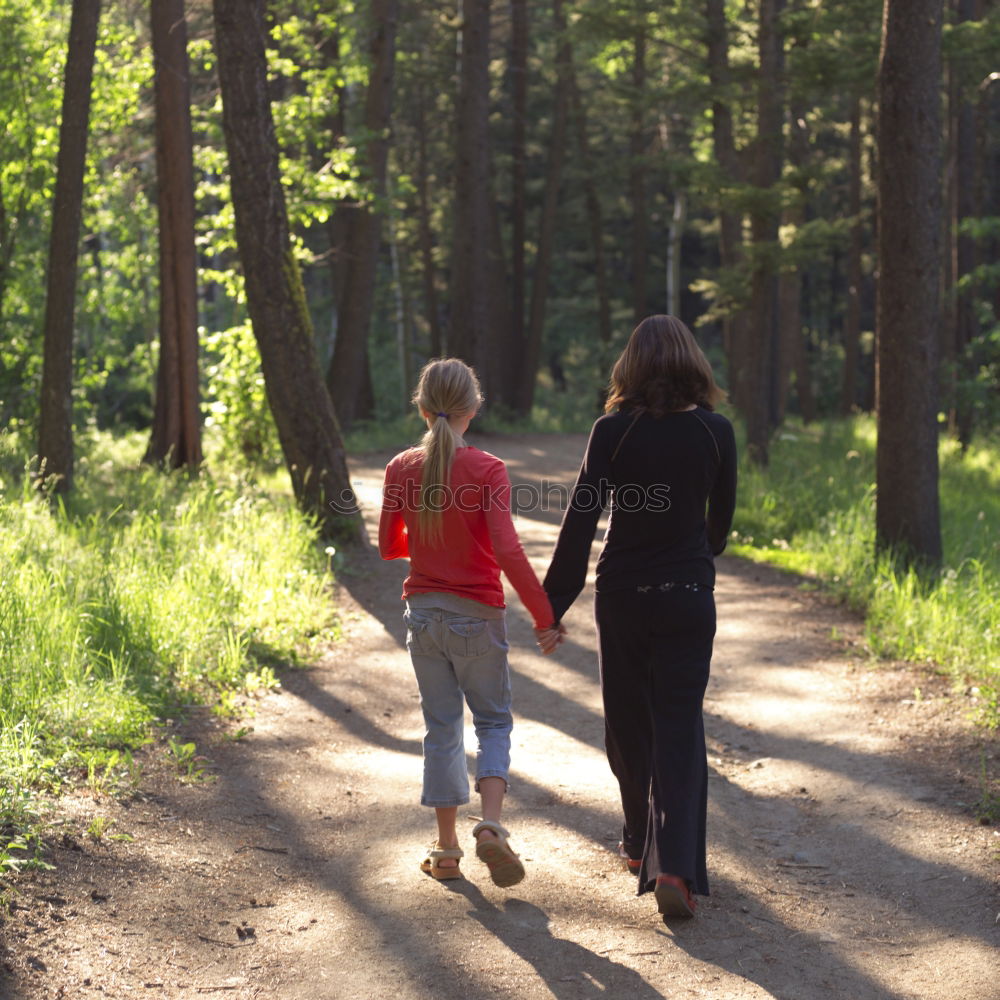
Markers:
<point>479,537</point>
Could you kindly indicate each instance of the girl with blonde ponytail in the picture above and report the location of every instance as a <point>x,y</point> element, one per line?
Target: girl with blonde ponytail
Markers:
<point>446,508</point>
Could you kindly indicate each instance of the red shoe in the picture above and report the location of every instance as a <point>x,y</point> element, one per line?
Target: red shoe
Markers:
<point>632,865</point>
<point>673,897</point>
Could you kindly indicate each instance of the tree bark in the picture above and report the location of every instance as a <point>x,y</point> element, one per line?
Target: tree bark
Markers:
<point>734,326</point>
<point>787,355</point>
<point>546,237</point>
<point>303,413</point>
<point>852,315</point>
<point>55,432</point>
<point>347,372</point>
<point>907,519</point>
<point>966,326</point>
<point>176,434</point>
<point>472,334</point>
<point>426,235</point>
<point>637,176</point>
<point>519,101</point>
<point>595,224</point>
<point>756,398</point>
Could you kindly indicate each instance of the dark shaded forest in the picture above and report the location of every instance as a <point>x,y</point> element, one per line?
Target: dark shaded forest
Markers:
<point>366,186</point>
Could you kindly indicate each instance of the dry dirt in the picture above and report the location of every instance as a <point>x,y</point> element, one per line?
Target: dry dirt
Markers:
<point>845,859</point>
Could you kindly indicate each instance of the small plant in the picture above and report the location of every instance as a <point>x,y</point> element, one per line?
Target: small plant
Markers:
<point>98,827</point>
<point>240,734</point>
<point>186,760</point>
<point>111,774</point>
<point>28,857</point>
<point>987,809</point>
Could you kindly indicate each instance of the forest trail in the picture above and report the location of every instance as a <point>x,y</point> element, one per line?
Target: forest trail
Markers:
<point>843,858</point>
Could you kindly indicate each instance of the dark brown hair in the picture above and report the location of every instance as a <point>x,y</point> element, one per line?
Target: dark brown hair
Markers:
<point>662,369</point>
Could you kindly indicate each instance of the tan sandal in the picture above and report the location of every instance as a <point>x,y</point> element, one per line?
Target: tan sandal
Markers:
<point>504,865</point>
<point>436,853</point>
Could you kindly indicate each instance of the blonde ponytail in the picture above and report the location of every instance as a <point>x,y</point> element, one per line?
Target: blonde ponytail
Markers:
<point>447,387</point>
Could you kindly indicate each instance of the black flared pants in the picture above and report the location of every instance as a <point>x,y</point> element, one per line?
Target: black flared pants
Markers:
<point>655,648</point>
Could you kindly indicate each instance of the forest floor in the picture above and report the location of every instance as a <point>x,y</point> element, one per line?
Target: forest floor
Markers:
<point>845,858</point>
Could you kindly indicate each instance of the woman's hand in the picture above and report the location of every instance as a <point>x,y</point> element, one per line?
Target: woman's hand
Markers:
<point>550,637</point>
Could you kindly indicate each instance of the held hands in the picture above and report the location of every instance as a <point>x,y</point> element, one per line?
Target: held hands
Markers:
<point>550,637</point>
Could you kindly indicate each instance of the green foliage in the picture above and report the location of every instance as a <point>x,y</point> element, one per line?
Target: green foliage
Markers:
<point>237,401</point>
<point>143,593</point>
<point>812,511</point>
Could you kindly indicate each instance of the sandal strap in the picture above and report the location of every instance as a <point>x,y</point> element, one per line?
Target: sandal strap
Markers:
<point>489,824</point>
<point>437,853</point>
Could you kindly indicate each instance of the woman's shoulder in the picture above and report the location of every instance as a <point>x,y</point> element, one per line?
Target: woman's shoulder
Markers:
<point>720,428</point>
<point>714,419</point>
<point>611,423</point>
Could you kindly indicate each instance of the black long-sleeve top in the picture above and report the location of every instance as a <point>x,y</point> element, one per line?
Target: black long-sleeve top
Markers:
<point>671,485</point>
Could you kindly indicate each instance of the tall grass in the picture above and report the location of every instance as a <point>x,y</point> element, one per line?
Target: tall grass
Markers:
<point>145,591</point>
<point>812,510</point>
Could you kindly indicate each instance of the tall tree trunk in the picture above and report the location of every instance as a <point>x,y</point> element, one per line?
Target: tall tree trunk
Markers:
<point>966,326</point>
<point>595,223</point>
<point>787,356</point>
<point>852,315</point>
<point>550,206</point>
<point>328,43</point>
<point>303,413</point>
<point>55,431</point>
<point>472,333</point>
<point>734,326</point>
<point>907,518</point>
<point>675,239</point>
<point>764,225</point>
<point>637,175</point>
<point>347,372</point>
<point>176,434</point>
<point>426,235</point>
<point>519,101</point>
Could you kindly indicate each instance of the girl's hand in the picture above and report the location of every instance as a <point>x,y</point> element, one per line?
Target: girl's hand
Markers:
<point>550,637</point>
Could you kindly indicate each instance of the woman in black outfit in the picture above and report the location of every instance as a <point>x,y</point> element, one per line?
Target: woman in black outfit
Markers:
<point>667,464</point>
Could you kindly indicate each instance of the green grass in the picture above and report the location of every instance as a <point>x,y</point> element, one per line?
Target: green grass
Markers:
<point>145,592</point>
<point>812,511</point>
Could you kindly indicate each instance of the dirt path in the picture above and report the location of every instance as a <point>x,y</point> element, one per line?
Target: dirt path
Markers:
<point>844,860</point>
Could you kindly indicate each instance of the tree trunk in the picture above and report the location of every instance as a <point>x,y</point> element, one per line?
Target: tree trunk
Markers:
<point>546,237</point>
<point>907,517</point>
<point>426,235</point>
<point>303,413</point>
<point>346,375</point>
<point>176,434</point>
<point>675,239</point>
<point>471,334</point>
<point>55,431</point>
<point>595,223</point>
<point>338,223</point>
<point>787,355</point>
<point>734,326</point>
<point>519,114</point>
<point>966,326</point>
<point>637,177</point>
<point>852,315</point>
<point>764,225</point>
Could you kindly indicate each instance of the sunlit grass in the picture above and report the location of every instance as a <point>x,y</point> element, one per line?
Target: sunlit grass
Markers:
<point>144,592</point>
<point>812,511</point>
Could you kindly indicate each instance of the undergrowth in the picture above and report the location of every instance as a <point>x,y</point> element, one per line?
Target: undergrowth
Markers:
<point>143,592</point>
<point>813,511</point>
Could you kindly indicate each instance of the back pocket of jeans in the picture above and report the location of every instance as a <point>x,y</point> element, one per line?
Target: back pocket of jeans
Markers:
<point>416,630</point>
<point>469,636</point>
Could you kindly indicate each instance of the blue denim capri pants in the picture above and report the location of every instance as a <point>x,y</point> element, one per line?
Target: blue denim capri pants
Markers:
<point>460,660</point>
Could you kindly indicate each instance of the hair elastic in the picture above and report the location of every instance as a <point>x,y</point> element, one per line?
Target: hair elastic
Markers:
<point>442,414</point>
